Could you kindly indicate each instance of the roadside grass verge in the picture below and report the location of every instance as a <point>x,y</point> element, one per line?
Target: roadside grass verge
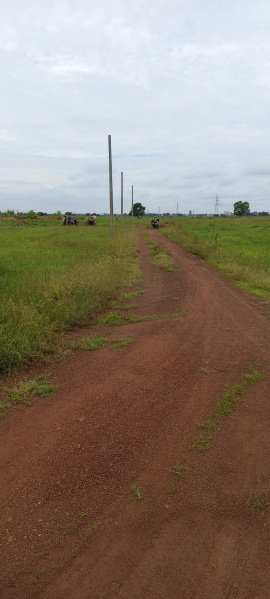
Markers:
<point>238,247</point>
<point>24,392</point>
<point>53,278</point>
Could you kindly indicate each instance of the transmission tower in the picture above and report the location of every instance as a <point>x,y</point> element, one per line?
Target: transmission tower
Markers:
<point>217,202</point>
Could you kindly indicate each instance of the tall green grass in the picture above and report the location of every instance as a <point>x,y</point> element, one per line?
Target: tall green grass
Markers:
<point>55,277</point>
<point>239,247</point>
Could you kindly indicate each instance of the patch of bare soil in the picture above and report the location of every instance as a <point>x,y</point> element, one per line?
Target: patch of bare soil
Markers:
<point>90,505</point>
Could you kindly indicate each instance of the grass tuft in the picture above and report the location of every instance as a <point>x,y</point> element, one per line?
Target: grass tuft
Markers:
<point>25,391</point>
<point>178,470</point>
<point>137,494</point>
<point>89,343</point>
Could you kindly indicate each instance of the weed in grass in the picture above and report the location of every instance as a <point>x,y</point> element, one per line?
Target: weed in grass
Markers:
<point>25,390</point>
<point>137,494</point>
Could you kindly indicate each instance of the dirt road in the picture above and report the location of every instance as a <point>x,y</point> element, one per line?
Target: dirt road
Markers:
<point>90,505</point>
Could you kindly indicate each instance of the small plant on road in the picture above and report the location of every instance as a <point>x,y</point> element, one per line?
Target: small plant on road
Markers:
<point>121,342</point>
<point>179,470</point>
<point>261,501</point>
<point>137,494</point>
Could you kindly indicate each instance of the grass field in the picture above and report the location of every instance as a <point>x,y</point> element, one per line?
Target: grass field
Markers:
<point>239,247</point>
<point>54,277</point>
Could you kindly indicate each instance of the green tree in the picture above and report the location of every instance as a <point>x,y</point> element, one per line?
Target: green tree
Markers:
<point>138,210</point>
<point>241,208</point>
<point>30,214</point>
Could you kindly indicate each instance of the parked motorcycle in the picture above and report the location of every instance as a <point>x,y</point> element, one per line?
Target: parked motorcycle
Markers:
<point>155,223</point>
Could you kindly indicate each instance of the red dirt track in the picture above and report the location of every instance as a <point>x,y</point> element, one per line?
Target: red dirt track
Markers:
<point>70,527</point>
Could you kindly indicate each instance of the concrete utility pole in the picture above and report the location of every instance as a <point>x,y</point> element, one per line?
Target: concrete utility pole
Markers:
<point>216,205</point>
<point>110,183</point>
<point>121,198</point>
<point>132,202</point>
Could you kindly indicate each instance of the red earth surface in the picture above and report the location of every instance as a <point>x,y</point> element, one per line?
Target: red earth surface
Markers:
<point>102,495</point>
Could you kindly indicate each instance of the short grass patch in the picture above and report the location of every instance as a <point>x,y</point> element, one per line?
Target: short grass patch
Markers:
<point>131,295</point>
<point>115,319</point>
<point>25,391</point>
<point>161,256</point>
<point>94,343</point>
<point>89,343</point>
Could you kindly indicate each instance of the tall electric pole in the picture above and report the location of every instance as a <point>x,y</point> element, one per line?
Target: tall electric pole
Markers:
<point>110,183</point>
<point>121,198</point>
<point>132,202</point>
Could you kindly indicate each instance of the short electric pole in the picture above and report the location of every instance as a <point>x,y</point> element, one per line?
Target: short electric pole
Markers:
<point>110,184</point>
<point>121,198</point>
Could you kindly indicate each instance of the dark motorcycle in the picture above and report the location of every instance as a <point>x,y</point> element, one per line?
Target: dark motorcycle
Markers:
<point>155,223</point>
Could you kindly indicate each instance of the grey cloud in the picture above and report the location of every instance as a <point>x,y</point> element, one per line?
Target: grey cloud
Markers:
<point>182,87</point>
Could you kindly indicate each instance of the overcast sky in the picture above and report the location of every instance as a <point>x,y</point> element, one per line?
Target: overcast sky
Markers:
<point>182,87</point>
